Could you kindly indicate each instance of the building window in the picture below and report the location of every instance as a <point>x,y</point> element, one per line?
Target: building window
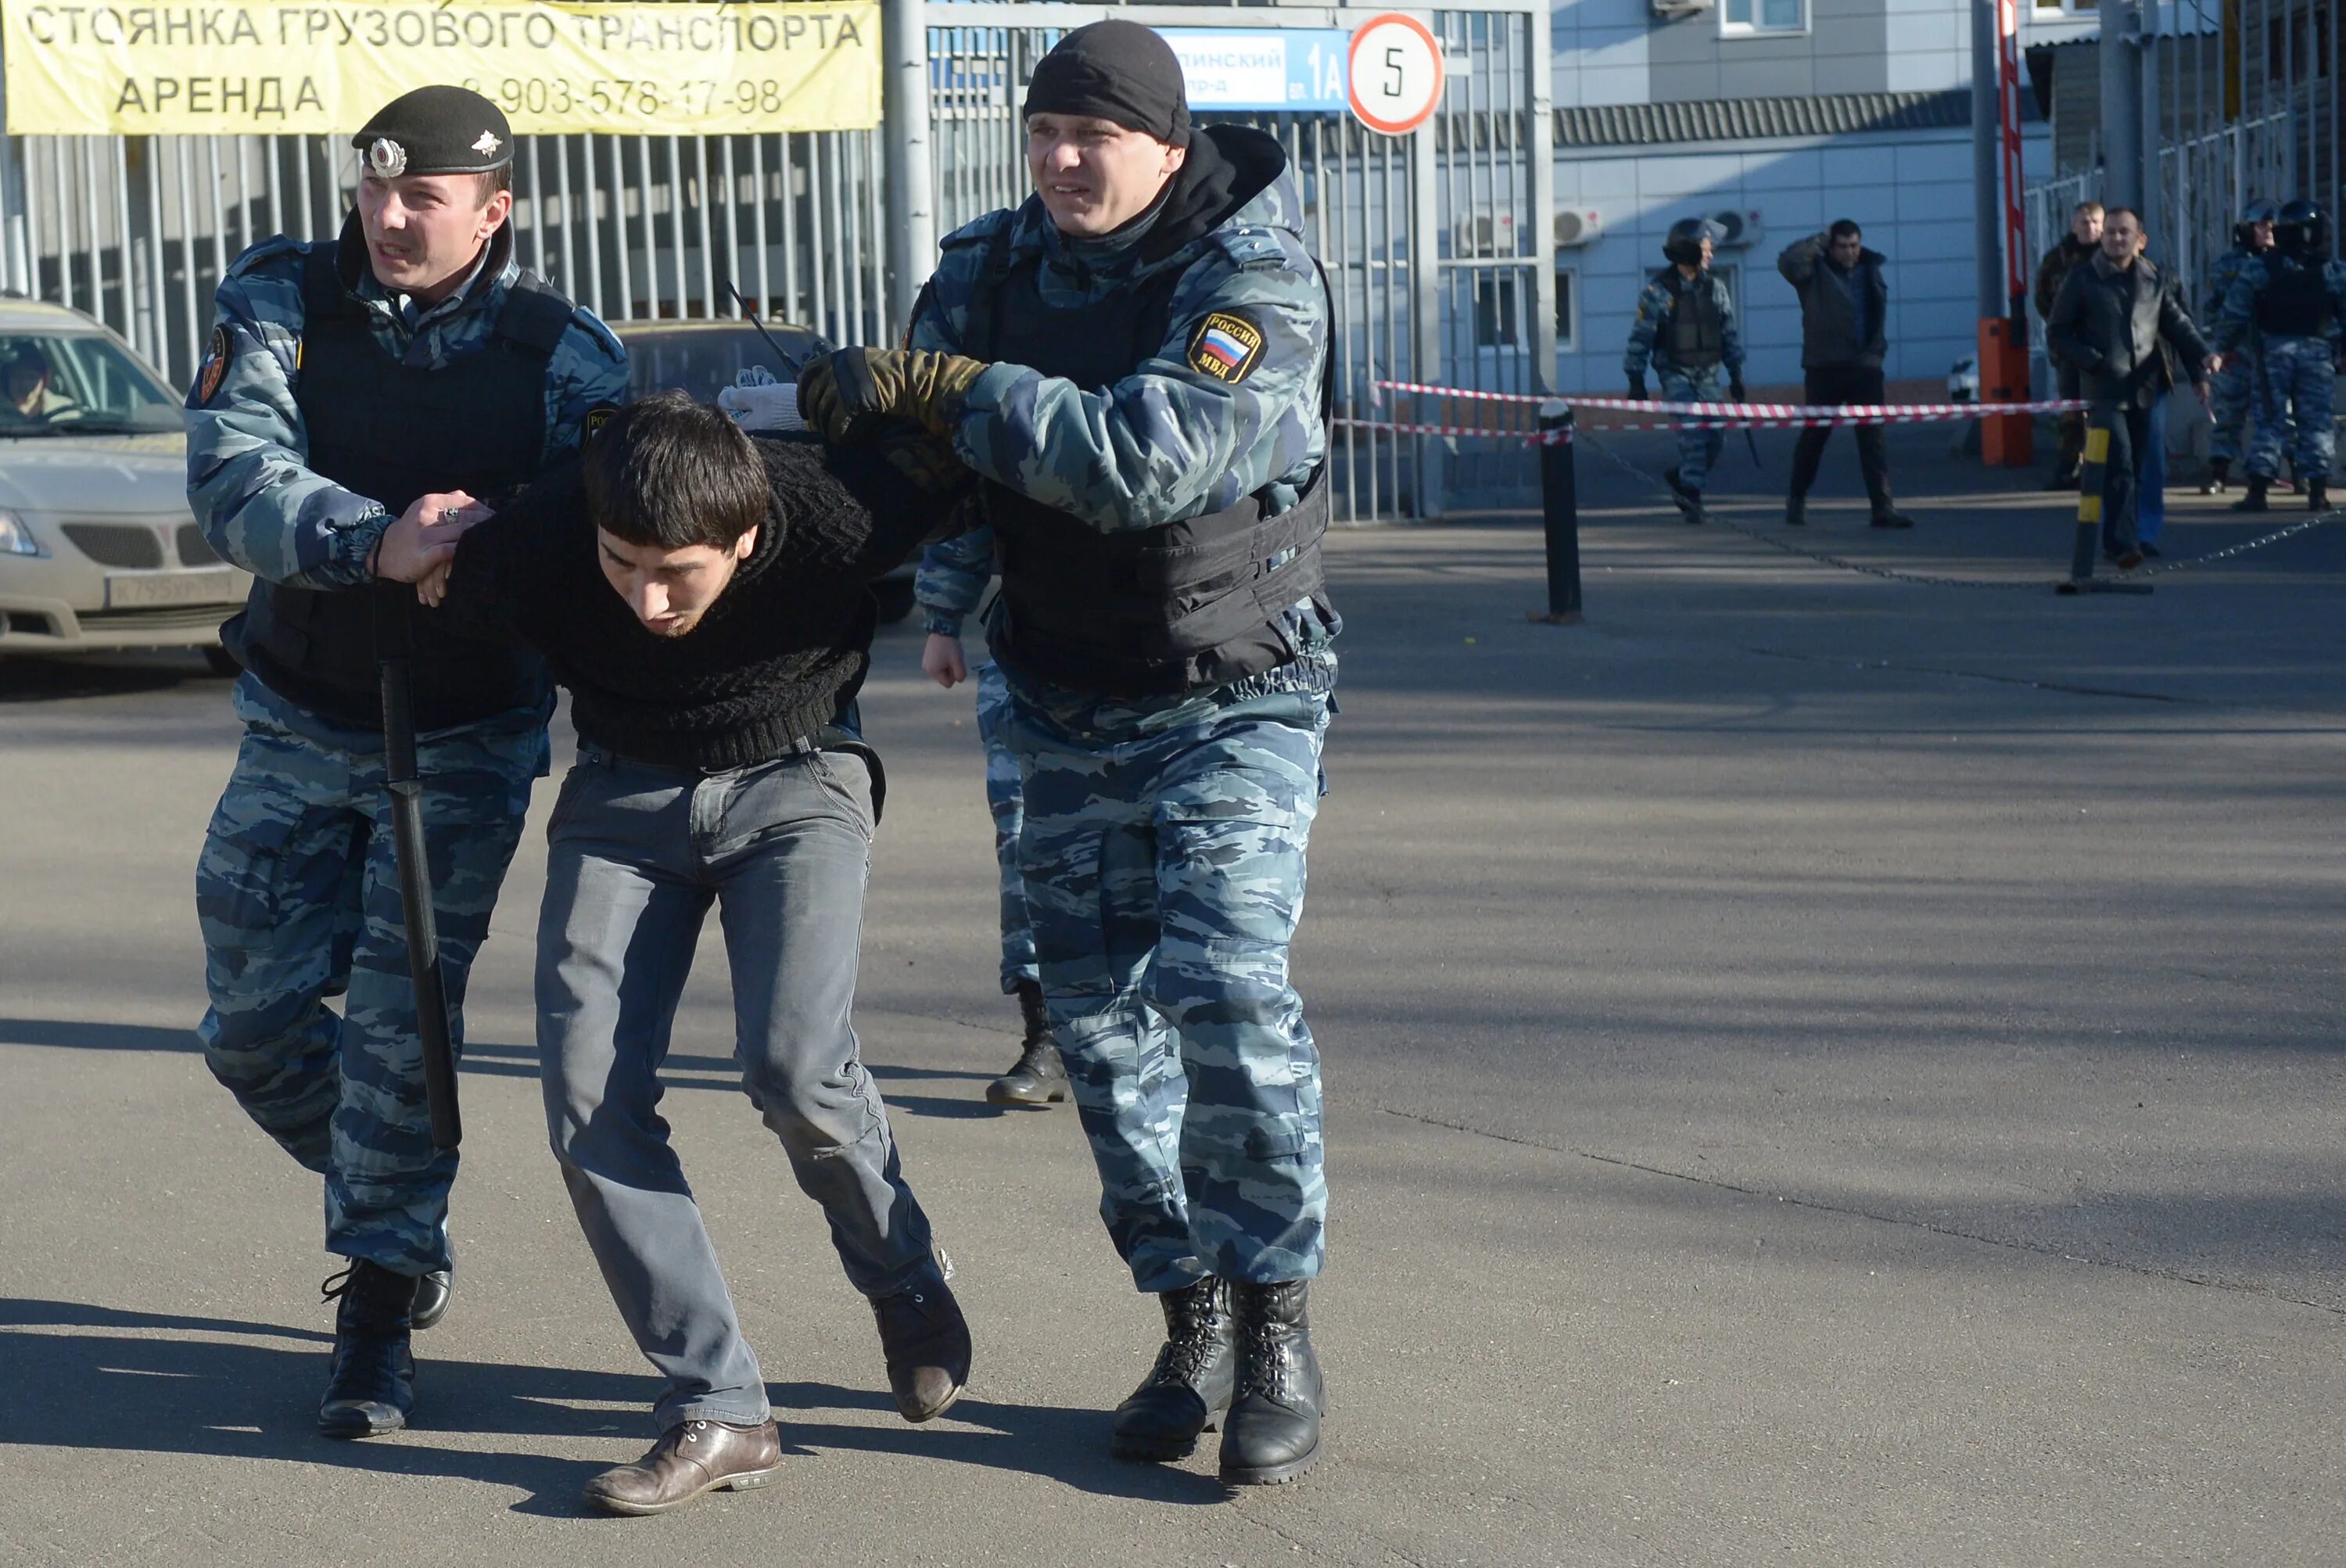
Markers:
<point>1567,311</point>
<point>1495,310</point>
<point>1744,17</point>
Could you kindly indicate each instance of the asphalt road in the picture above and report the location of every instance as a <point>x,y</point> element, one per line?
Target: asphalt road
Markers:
<point>1821,1069</point>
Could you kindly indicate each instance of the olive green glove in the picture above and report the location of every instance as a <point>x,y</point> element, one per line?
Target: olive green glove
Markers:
<point>919,384</point>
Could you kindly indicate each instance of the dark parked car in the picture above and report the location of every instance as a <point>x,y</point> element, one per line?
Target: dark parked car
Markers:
<point>701,358</point>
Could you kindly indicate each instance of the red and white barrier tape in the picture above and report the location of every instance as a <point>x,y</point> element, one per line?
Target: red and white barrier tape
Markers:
<point>1763,415</point>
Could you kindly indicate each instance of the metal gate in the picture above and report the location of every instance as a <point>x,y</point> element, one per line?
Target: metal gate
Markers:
<point>1437,243</point>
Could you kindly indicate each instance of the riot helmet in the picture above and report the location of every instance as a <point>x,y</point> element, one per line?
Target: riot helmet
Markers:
<point>2302,230</point>
<point>1683,244</point>
<point>2257,210</point>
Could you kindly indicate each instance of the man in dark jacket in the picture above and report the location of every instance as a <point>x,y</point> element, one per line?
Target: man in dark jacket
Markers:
<point>2084,237</point>
<point>1844,308</point>
<point>702,597</point>
<point>2118,319</point>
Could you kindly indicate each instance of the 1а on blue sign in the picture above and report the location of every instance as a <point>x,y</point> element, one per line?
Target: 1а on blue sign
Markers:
<point>1302,69</point>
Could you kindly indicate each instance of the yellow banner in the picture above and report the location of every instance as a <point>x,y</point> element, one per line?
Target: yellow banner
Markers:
<point>322,67</point>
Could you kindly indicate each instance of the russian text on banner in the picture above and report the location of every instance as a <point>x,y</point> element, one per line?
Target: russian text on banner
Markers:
<point>319,67</point>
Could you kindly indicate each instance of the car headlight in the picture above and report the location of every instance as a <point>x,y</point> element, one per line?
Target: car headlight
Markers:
<point>15,539</point>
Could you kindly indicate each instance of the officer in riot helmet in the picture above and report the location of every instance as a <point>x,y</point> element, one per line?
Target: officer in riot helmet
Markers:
<point>2239,395</point>
<point>1686,330</point>
<point>410,368</point>
<point>1135,361</point>
<point>2292,300</point>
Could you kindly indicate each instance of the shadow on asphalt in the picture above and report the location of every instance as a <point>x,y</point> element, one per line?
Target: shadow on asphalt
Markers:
<point>242,1400</point>
<point>681,1071</point>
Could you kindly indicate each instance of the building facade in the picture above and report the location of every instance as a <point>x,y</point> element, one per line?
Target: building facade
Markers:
<point>1777,117</point>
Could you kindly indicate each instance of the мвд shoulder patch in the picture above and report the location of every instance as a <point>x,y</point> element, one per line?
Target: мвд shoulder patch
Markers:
<point>1226,346</point>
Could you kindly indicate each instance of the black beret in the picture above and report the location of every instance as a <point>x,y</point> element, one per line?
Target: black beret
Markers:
<point>1118,71</point>
<point>435,130</point>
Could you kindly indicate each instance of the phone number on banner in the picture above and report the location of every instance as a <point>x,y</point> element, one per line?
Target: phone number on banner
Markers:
<point>530,98</point>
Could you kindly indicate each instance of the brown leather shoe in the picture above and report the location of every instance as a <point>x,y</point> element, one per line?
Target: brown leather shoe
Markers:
<point>926,1341</point>
<point>690,1458</point>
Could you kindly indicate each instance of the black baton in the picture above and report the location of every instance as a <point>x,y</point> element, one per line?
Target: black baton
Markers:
<point>394,642</point>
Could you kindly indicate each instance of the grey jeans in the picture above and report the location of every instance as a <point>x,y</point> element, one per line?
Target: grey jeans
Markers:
<point>638,854</point>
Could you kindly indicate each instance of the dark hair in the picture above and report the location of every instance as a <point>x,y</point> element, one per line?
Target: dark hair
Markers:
<point>670,473</point>
<point>2127,212</point>
<point>1845,229</point>
<point>494,180</point>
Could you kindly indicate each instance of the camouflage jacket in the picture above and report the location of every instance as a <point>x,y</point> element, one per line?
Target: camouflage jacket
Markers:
<point>1658,305</point>
<point>2221,278</point>
<point>1171,440</point>
<point>952,580</point>
<point>2239,317</point>
<point>249,480</point>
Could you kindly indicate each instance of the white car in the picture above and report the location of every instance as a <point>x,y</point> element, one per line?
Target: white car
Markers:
<point>97,547</point>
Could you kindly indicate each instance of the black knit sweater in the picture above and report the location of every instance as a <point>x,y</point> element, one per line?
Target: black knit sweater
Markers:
<point>776,657</point>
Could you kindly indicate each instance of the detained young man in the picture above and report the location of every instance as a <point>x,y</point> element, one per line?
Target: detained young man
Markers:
<point>701,595</point>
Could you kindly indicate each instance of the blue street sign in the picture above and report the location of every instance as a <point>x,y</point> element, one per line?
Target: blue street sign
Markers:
<point>1302,69</point>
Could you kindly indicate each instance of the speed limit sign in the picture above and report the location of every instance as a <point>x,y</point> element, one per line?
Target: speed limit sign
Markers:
<point>1396,73</point>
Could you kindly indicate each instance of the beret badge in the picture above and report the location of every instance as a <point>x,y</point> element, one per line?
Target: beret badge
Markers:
<point>387,159</point>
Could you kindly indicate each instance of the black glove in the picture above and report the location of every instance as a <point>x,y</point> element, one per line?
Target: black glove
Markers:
<point>1638,385</point>
<point>1735,388</point>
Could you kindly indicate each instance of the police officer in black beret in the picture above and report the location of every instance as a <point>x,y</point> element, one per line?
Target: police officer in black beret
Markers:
<point>409,366</point>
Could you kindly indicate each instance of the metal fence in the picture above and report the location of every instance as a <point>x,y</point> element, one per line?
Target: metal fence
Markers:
<point>137,231</point>
<point>1437,244</point>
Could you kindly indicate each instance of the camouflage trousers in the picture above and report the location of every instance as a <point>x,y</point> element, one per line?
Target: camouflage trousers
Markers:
<point>1005,799</point>
<point>2237,397</point>
<point>2300,383</point>
<point>297,892</point>
<point>1698,449</point>
<point>1163,851</point>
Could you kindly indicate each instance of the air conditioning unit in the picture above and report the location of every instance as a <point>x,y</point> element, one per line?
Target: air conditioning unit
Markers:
<point>1578,225</point>
<point>1742,226</point>
<point>1671,10</point>
<point>1480,237</point>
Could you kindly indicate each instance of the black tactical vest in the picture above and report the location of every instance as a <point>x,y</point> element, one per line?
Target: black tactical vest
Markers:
<point>2294,302</point>
<point>1183,606</point>
<point>1697,332</point>
<point>391,432</point>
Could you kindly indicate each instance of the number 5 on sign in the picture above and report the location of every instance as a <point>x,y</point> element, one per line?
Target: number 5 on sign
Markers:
<point>1396,74</point>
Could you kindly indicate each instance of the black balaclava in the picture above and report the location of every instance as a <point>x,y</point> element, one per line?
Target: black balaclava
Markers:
<point>1117,71</point>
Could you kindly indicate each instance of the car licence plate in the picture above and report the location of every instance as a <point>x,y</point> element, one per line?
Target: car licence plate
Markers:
<point>224,585</point>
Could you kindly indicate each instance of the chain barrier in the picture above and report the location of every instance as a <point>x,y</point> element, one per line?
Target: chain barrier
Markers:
<point>1777,542</point>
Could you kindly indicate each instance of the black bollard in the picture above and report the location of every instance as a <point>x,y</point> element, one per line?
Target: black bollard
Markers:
<point>1560,511</point>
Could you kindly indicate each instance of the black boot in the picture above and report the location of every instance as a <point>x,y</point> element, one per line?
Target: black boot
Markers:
<point>371,1385</point>
<point>2254,501</point>
<point>1887,515</point>
<point>2317,495</point>
<point>1038,1077</point>
<point>1188,1390</point>
<point>1796,510</point>
<point>1272,1433</point>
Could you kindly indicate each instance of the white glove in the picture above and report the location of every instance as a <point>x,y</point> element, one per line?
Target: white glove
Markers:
<point>765,409</point>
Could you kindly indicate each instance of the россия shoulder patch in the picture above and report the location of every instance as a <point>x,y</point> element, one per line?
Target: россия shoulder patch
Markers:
<point>1226,346</point>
